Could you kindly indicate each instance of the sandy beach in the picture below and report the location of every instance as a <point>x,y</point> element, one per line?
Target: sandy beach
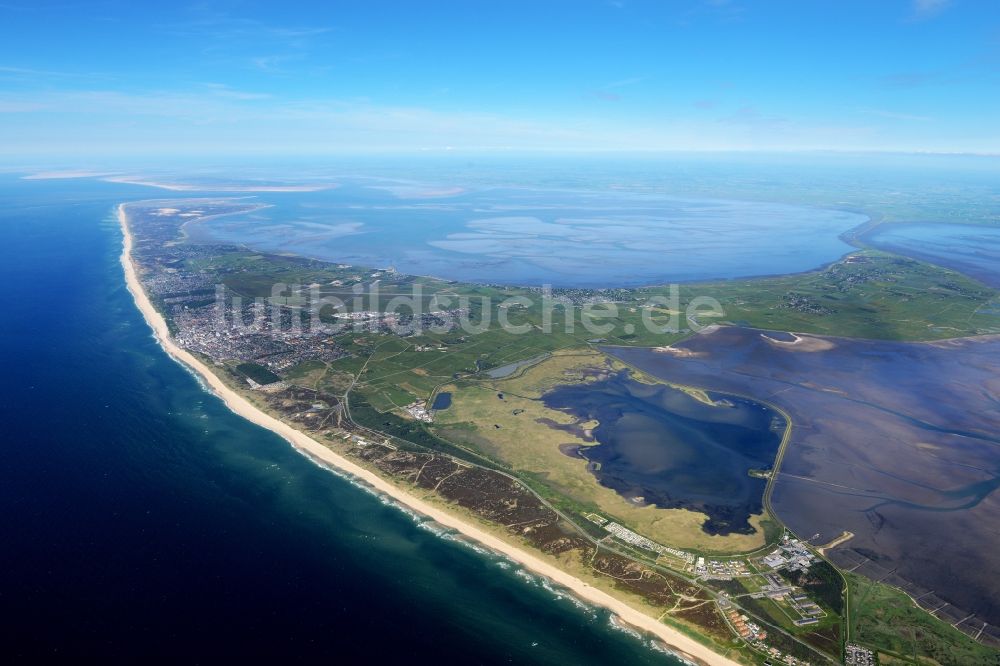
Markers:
<point>683,645</point>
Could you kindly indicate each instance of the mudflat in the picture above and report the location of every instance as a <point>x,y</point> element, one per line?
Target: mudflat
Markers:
<point>897,443</point>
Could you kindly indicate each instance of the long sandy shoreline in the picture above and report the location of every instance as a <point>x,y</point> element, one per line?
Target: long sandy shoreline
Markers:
<point>682,644</point>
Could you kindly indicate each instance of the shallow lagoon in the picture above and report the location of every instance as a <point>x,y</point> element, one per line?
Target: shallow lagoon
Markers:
<point>535,236</point>
<point>657,445</point>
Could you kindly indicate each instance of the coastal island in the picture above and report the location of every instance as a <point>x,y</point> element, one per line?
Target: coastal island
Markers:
<point>464,408</point>
<point>685,645</point>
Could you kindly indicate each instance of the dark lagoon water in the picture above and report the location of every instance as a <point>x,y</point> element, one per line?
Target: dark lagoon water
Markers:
<point>897,443</point>
<point>143,520</point>
<point>442,400</point>
<point>540,236</point>
<point>973,250</point>
<point>661,446</point>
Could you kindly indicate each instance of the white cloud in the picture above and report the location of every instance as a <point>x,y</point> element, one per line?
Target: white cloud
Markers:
<point>631,81</point>
<point>214,119</point>
<point>15,106</point>
<point>895,115</point>
<point>927,8</point>
<point>748,115</point>
<point>222,90</point>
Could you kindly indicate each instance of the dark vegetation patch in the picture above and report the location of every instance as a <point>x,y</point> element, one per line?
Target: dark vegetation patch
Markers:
<point>258,373</point>
<point>822,582</point>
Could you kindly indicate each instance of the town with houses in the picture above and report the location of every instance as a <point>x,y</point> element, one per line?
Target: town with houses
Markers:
<point>763,579</point>
<point>857,655</point>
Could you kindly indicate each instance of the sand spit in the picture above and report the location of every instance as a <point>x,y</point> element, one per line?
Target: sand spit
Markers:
<point>803,343</point>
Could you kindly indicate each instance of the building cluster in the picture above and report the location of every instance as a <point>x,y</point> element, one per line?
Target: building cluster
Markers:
<point>855,655</point>
<point>777,655</point>
<point>401,323</point>
<point>273,387</point>
<point>358,440</point>
<point>809,611</point>
<point>628,536</point>
<point>779,590</point>
<point>748,631</point>
<point>790,554</point>
<point>173,287</point>
<point>803,303</point>
<point>583,295</point>
<point>679,554</point>
<point>205,331</point>
<point>846,274</point>
<point>754,634</point>
<point>419,411</point>
<point>633,538</point>
<point>720,569</point>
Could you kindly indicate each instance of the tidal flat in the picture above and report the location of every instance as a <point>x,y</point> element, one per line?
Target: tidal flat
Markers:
<point>972,250</point>
<point>533,236</point>
<point>894,442</point>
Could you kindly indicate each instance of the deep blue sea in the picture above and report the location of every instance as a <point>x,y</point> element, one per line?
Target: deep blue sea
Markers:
<point>141,520</point>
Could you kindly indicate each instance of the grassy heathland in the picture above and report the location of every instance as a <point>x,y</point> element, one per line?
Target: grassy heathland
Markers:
<point>868,294</point>
<point>885,619</point>
<point>518,430</point>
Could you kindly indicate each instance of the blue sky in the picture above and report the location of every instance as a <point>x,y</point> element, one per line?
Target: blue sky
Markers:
<point>119,78</point>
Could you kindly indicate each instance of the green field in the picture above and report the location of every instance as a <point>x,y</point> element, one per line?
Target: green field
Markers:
<point>885,619</point>
<point>520,432</point>
<point>867,295</point>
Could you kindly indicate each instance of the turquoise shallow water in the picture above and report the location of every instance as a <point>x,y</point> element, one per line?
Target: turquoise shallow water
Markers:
<point>142,519</point>
<point>526,236</point>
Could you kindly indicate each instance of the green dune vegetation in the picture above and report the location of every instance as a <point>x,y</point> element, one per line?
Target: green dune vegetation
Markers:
<point>886,618</point>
